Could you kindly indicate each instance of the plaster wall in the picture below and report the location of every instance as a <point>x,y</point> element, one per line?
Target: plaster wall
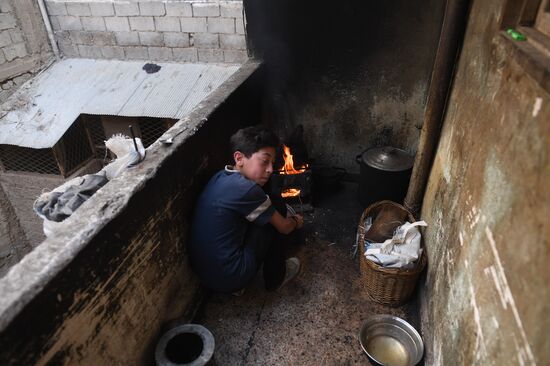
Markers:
<point>24,45</point>
<point>100,290</point>
<point>354,73</point>
<point>156,30</point>
<point>485,296</point>
<point>22,189</point>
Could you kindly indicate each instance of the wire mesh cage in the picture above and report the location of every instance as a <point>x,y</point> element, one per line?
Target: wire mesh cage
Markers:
<point>96,133</point>
<point>152,128</point>
<point>24,159</point>
<point>73,149</point>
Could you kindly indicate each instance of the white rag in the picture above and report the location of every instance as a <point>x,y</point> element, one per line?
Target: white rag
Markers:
<point>401,251</point>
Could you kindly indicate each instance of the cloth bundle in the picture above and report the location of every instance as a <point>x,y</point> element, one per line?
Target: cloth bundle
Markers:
<point>400,251</point>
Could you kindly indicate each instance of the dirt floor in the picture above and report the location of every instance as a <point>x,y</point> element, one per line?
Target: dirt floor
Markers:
<point>313,320</point>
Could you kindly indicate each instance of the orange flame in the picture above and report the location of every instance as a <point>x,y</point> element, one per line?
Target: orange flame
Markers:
<point>290,192</point>
<point>289,163</point>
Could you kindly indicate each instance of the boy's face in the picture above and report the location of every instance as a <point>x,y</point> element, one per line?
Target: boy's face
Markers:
<point>258,167</point>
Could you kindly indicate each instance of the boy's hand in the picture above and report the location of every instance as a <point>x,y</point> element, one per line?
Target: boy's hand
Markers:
<point>299,221</point>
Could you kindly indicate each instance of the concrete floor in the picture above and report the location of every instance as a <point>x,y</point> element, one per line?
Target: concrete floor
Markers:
<point>313,320</point>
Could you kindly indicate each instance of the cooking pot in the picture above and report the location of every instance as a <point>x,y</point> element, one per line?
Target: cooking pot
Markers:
<point>384,174</point>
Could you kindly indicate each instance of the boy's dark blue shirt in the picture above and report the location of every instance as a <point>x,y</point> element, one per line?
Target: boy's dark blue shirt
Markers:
<point>228,204</point>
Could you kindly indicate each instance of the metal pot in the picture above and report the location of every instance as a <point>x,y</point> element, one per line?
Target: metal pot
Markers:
<point>384,174</point>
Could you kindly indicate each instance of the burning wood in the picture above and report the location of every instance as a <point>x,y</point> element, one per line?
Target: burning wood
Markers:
<point>288,168</point>
<point>290,192</point>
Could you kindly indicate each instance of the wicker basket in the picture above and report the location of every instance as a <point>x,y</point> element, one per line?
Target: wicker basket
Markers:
<point>388,286</point>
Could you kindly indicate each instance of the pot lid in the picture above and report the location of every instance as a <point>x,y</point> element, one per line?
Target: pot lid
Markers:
<point>388,158</point>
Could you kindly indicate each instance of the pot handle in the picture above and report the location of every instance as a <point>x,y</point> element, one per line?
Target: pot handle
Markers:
<point>358,157</point>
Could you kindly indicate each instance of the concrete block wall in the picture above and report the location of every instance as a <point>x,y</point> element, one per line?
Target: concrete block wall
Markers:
<point>157,30</point>
<point>23,44</point>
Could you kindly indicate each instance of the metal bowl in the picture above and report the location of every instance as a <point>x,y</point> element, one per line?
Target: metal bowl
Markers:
<point>390,341</point>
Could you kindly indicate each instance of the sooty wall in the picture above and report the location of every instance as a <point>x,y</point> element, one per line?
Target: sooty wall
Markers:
<point>99,292</point>
<point>354,73</point>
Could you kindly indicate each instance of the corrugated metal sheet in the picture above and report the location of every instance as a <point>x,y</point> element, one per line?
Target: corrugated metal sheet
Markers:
<point>40,112</point>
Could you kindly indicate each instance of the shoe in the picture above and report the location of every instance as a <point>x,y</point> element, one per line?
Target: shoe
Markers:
<point>292,269</point>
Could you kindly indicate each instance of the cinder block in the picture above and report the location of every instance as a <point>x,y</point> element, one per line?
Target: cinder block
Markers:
<point>126,10</point>
<point>90,51</point>
<point>179,9</point>
<point>117,24</point>
<point>69,50</point>
<point>64,36</point>
<point>136,53</point>
<point>2,58</point>
<point>80,37</point>
<point>5,38</point>
<point>206,10</point>
<point>150,38</point>
<point>8,84</point>
<point>21,79</point>
<point>210,55</point>
<point>5,7</point>
<point>127,38</point>
<point>7,21</point>
<point>93,23</point>
<point>232,42</point>
<point>206,40</point>
<point>79,9</point>
<point>16,36</point>
<point>113,52</point>
<point>69,23</point>
<point>239,26</point>
<point>160,54</point>
<point>153,8</point>
<point>235,56</point>
<point>193,25</point>
<point>55,23</point>
<point>221,25</point>
<point>14,51</point>
<point>56,8</point>
<point>176,39</point>
<point>231,9</point>
<point>103,38</point>
<point>167,24</point>
<point>185,54</point>
<point>102,9</point>
<point>142,23</point>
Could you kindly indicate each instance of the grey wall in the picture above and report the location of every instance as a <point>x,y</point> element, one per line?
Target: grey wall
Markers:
<point>354,73</point>
<point>22,189</point>
<point>485,297</point>
<point>100,290</point>
<point>24,45</point>
<point>158,30</point>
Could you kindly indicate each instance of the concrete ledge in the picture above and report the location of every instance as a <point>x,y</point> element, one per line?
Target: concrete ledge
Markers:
<point>100,290</point>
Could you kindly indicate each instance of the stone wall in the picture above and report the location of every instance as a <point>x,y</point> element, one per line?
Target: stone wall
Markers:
<point>24,45</point>
<point>167,30</point>
<point>487,204</point>
<point>102,289</point>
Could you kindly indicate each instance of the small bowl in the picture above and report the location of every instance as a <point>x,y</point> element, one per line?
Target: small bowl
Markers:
<point>390,341</point>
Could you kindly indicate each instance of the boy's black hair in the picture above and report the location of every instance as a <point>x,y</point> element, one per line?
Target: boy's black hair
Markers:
<point>251,139</point>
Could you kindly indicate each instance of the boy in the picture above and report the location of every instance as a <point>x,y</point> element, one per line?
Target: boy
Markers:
<point>236,227</point>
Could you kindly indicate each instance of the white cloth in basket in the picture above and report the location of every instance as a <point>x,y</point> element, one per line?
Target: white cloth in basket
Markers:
<point>401,251</point>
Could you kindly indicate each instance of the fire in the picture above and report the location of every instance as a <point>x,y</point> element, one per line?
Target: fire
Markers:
<point>290,192</point>
<point>289,163</point>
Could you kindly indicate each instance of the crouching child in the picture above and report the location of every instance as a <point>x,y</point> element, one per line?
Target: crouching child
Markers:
<point>236,225</point>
